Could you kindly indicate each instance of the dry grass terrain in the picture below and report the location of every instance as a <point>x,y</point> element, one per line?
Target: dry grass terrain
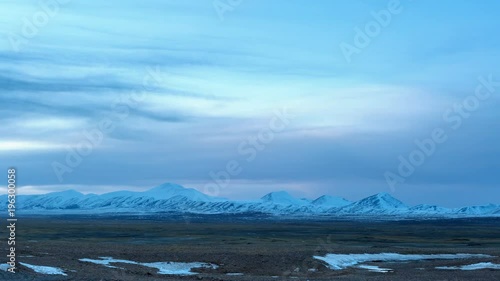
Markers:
<point>258,247</point>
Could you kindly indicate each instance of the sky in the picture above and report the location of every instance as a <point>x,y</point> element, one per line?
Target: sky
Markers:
<point>238,98</point>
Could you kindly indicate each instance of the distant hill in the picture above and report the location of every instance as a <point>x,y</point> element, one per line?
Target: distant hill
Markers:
<point>170,197</point>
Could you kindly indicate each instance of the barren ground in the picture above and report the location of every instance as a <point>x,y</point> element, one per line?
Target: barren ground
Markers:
<point>258,247</point>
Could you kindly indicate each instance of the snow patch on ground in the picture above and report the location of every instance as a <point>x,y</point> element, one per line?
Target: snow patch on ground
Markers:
<point>170,268</point>
<point>476,266</point>
<point>373,268</point>
<point>177,268</point>
<point>106,261</point>
<point>44,269</point>
<point>343,261</point>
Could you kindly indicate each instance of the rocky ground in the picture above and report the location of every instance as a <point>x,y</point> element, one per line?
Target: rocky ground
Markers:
<point>260,250</point>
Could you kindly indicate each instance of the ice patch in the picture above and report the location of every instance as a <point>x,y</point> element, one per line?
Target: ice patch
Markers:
<point>342,261</point>
<point>170,268</point>
<point>312,270</point>
<point>106,261</point>
<point>373,268</point>
<point>4,266</point>
<point>476,266</point>
<point>178,268</point>
<point>44,269</point>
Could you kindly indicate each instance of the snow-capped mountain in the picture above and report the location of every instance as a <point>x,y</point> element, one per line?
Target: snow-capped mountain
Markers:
<point>170,190</point>
<point>381,203</point>
<point>490,209</point>
<point>424,209</point>
<point>330,201</point>
<point>55,200</point>
<point>283,198</point>
<point>175,198</point>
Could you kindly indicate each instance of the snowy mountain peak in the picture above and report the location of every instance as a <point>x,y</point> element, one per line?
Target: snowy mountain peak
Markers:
<point>282,198</point>
<point>167,187</point>
<point>381,203</point>
<point>176,198</point>
<point>382,195</point>
<point>384,199</point>
<point>170,190</point>
<point>65,194</point>
<point>331,201</point>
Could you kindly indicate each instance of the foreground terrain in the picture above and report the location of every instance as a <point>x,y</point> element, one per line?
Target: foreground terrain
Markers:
<point>249,248</point>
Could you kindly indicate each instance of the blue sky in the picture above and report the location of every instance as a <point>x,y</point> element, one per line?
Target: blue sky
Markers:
<point>216,82</point>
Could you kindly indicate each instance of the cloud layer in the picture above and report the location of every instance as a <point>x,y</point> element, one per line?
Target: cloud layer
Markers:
<point>212,87</point>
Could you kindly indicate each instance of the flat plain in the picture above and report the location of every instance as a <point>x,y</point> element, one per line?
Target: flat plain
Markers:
<point>249,247</point>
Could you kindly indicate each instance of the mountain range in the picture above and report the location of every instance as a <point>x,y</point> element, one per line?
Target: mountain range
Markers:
<point>175,198</point>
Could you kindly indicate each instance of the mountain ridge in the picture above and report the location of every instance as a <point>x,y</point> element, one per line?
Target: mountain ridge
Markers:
<point>171,197</point>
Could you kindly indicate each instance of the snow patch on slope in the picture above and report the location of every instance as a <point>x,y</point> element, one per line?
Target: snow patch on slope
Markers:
<point>330,201</point>
<point>477,210</point>
<point>283,198</point>
<point>378,203</point>
<point>170,190</point>
<point>429,209</point>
